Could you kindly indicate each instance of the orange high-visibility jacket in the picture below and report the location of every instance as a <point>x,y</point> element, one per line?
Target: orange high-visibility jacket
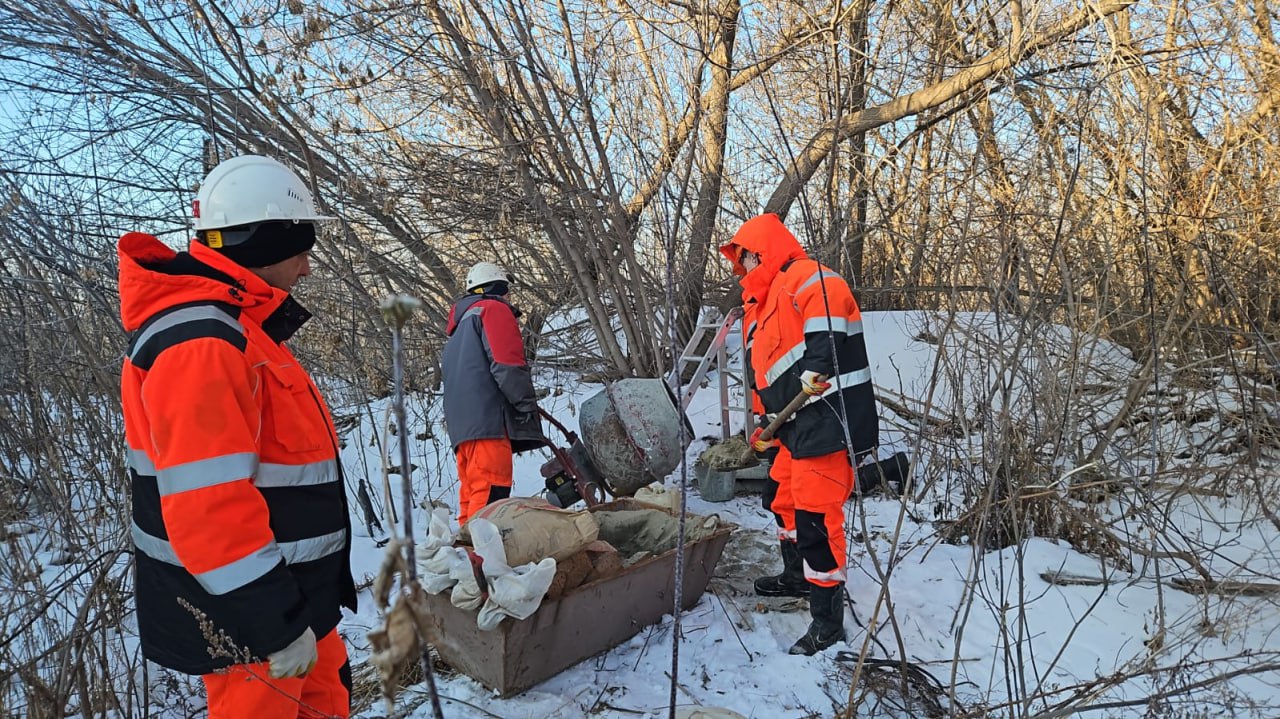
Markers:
<point>239,509</point>
<point>800,316</point>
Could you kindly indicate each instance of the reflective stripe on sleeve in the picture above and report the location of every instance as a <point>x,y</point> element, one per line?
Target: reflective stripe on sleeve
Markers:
<point>227,578</point>
<point>303,550</point>
<point>182,316</point>
<point>296,475</point>
<point>793,355</point>
<point>234,575</point>
<point>839,325</point>
<point>230,577</point>
<point>140,463</point>
<point>847,380</point>
<point>206,473</point>
<point>822,274</point>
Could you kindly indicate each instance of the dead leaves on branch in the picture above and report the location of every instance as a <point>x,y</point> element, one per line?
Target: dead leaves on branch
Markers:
<point>399,644</point>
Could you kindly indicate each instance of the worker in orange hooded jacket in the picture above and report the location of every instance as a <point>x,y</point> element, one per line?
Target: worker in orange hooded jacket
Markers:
<point>240,518</point>
<point>804,334</point>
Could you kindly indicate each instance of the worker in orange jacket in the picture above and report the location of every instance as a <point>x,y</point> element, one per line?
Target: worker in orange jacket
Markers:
<point>240,518</point>
<point>804,334</point>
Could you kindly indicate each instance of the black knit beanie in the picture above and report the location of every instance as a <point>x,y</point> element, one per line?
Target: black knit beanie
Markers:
<point>497,287</point>
<point>262,243</point>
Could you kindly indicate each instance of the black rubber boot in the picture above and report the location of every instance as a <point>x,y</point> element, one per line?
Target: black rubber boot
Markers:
<point>826,606</point>
<point>791,583</point>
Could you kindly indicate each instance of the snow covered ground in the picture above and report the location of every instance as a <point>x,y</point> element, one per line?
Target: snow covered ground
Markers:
<point>985,624</point>
<point>1108,636</point>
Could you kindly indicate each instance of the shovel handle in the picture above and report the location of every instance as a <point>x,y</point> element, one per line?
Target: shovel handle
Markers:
<point>792,407</point>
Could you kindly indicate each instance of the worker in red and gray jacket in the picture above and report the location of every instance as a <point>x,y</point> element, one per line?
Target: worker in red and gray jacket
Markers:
<point>489,404</point>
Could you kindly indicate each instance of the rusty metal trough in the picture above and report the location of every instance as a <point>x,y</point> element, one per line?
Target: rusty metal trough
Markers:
<point>584,622</point>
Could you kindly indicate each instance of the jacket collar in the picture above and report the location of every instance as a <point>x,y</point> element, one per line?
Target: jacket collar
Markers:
<point>464,303</point>
<point>154,277</point>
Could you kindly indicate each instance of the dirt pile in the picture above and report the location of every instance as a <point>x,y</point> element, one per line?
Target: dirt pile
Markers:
<point>727,455</point>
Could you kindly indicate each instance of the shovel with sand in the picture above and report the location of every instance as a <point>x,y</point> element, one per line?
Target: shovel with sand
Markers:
<point>725,459</point>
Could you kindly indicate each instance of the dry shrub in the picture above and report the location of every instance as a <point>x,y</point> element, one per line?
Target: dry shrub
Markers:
<point>1026,499</point>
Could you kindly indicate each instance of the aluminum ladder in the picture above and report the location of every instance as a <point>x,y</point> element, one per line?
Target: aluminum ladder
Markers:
<point>716,355</point>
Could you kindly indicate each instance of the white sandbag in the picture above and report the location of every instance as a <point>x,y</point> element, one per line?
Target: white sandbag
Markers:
<point>513,592</point>
<point>486,541</point>
<point>517,593</point>
<point>439,530</point>
<point>436,571</point>
<point>437,557</point>
<point>466,592</point>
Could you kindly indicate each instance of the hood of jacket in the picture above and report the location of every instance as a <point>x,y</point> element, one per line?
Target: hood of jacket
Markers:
<point>154,278</point>
<point>766,236</point>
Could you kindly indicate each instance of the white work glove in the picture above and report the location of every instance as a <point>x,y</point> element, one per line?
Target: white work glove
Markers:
<point>813,383</point>
<point>296,659</point>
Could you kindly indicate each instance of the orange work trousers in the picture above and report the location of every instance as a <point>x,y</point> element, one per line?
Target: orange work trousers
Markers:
<point>808,503</point>
<point>247,690</point>
<point>484,474</point>
<point>778,500</point>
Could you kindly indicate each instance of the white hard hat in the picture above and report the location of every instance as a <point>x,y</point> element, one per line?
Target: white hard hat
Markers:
<point>252,188</point>
<point>482,273</point>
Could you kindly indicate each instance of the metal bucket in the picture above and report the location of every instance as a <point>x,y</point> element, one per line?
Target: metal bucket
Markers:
<point>717,485</point>
<point>631,430</point>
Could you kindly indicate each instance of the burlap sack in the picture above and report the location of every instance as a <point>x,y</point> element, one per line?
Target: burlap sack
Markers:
<point>605,560</point>
<point>532,529</point>
<point>570,574</point>
<point>649,530</point>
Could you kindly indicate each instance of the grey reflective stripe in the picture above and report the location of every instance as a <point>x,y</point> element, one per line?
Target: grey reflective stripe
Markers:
<point>823,274</point>
<point>838,324</point>
<point>154,547</point>
<point>206,473</point>
<point>186,314</point>
<point>835,575</point>
<point>228,577</point>
<point>784,363</point>
<point>847,380</point>
<point>751,328</point>
<point>308,550</point>
<point>473,311</point>
<point>140,462</point>
<point>296,475</point>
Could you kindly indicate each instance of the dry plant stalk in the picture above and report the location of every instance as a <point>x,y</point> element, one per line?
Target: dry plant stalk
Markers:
<point>400,642</point>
